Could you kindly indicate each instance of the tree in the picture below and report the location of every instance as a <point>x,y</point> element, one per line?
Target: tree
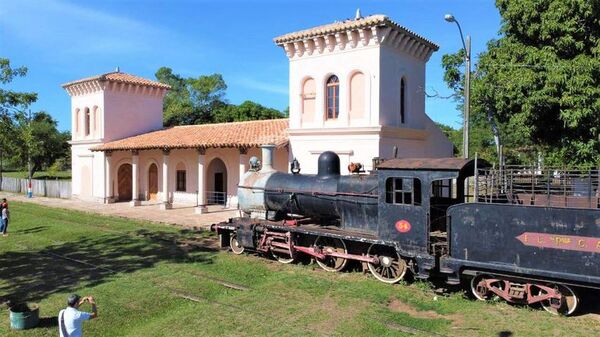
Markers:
<point>191,100</point>
<point>454,135</point>
<point>11,103</point>
<point>201,100</point>
<point>247,111</point>
<point>539,82</point>
<point>40,139</point>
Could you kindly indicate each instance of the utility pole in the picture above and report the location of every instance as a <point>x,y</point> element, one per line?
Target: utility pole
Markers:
<point>29,141</point>
<point>467,89</point>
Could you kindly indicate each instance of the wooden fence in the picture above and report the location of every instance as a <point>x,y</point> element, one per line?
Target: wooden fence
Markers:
<point>44,188</point>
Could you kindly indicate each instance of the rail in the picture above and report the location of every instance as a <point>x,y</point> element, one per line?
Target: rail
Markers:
<point>216,198</point>
<point>552,187</point>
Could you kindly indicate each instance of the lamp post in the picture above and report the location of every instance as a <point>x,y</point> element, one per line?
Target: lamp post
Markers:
<point>467,103</point>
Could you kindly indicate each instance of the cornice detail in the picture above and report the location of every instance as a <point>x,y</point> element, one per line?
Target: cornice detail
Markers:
<point>356,39</point>
<point>89,87</point>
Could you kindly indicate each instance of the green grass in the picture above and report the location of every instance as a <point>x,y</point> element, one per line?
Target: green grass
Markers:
<point>141,272</point>
<point>43,175</point>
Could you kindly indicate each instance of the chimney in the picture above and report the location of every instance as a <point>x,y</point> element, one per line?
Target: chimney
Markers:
<point>267,157</point>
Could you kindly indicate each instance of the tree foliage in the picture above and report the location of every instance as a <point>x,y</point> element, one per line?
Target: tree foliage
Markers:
<point>539,81</point>
<point>39,138</point>
<point>247,111</point>
<point>20,137</point>
<point>13,101</point>
<point>201,100</point>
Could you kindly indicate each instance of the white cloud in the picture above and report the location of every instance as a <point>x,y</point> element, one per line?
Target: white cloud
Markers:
<point>62,29</point>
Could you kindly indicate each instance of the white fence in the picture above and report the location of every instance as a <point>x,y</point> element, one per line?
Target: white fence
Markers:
<point>44,188</point>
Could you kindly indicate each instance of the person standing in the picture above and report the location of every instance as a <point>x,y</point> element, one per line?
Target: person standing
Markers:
<point>70,319</point>
<point>5,215</point>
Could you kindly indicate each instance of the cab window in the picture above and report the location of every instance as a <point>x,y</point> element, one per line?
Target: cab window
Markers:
<point>403,191</point>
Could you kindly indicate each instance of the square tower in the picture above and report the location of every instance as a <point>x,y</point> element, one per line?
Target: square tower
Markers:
<point>104,108</point>
<point>357,88</point>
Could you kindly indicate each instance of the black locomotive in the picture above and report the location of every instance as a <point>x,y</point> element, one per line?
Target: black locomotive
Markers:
<point>524,235</point>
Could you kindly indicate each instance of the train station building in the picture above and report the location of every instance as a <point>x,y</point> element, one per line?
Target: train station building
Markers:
<point>356,87</point>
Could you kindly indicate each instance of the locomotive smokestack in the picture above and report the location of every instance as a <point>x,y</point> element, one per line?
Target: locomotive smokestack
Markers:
<point>267,157</point>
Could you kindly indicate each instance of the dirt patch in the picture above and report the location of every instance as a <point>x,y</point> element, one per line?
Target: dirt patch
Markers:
<point>399,306</point>
<point>329,307</point>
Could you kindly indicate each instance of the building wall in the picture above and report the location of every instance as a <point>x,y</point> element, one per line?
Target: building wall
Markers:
<point>396,64</point>
<point>130,112</point>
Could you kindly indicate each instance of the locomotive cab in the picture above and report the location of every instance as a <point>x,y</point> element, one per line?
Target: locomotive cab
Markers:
<point>414,198</point>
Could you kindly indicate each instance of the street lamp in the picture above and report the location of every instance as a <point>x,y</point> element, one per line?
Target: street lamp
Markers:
<point>467,47</point>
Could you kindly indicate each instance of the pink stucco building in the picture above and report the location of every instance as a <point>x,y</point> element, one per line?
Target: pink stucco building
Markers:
<point>356,88</point>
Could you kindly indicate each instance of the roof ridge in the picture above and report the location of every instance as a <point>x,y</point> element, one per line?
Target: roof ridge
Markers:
<point>229,123</point>
<point>126,78</point>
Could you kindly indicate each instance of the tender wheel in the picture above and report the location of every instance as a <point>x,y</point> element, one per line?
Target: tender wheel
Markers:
<point>235,245</point>
<point>282,255</point>
<point>480,290</point>
<point>330,245</point>
<point>569,301</point>
<point>391,268</point>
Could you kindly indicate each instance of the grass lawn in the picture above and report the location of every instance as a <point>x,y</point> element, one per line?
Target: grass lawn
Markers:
<point>148,280</point>
<point>43,175</point>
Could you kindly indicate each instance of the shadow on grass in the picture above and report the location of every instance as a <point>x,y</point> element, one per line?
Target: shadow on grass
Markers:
<point>34,275</point>
<point>48,322</point>
<point>31,230</point>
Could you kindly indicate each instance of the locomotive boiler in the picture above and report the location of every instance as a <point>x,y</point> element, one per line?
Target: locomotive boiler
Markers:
<point>522,235</point>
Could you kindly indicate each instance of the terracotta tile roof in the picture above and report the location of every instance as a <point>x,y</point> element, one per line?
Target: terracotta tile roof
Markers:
<point>120,78</point>
<point>237,134</point>
<point>350,24</point>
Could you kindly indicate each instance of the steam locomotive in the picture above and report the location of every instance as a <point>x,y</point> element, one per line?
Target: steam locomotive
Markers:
<point>524,235</point>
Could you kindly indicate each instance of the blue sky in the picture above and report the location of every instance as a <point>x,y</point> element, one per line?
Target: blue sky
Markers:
<point>60,41</point>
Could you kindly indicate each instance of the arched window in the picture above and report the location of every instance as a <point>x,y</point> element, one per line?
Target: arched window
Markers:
<point>95,119</point>
<point>402,100</point>
<point>332,97</point>
<point>87,121</point>
<point>308,100</point>
<point>357,96</point>
<point>77,117</point>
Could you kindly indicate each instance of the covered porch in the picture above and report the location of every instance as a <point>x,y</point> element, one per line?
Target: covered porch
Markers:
<point>186,167</point>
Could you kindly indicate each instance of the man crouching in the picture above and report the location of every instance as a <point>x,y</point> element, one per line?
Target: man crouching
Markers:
<point>70,319</point>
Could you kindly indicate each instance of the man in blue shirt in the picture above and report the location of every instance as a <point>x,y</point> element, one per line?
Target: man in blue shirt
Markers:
<point>70,320</point>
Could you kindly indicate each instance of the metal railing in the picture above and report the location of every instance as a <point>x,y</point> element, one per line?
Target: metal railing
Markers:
<point>554,187</point>
<point>216,198</point>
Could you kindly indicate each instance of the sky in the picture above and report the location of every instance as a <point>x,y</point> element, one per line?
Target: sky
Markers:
<point>61,41</point>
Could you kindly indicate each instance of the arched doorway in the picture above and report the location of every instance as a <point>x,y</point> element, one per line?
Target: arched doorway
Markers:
<point>124,179</point>
<point>216,182</point>
<point>153,182</point>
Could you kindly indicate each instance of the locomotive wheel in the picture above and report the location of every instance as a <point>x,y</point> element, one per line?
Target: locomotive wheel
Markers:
<point>480,291</point>
<point>330,245</point>
<point>569,301</point>
<point>235,245</point>
<point>391,267</point>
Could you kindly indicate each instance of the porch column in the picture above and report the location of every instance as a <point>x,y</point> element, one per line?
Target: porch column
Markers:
<point>108,183</point>
<point>201,207</point>
<point>134,178</point>
<point>243,163</point>
<point>235,201</point>
<point>166,204</point>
